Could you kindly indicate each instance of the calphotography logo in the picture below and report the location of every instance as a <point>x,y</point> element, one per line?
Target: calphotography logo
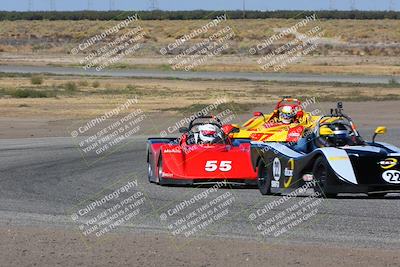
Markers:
<point>109,47</point>
<point>197,214</point>
<point>208,110</point>
<point>283,215</point>
<point>291,51</point>
<point>108,132</point>
<point>110,209</point>
<point>215,37</point>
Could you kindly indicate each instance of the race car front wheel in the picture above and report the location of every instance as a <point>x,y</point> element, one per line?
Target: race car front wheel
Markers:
<point>263,179</point>
<point>321,174</point>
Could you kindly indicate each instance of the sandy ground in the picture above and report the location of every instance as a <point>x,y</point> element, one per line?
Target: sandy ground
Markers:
<point>63,247</point>
<point>365,114</point>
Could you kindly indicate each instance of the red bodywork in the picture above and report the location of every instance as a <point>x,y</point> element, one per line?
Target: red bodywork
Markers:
<point>174,161</point>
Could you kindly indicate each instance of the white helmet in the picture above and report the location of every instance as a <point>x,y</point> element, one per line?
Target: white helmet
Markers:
<point>207,133</point>
<point>286,115</point>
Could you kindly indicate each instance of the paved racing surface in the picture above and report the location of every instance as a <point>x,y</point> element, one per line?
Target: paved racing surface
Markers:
<point>43,180</point>
<point>289,77</point>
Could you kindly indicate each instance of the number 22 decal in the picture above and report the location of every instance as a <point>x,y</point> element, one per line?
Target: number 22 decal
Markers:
<point>391,176</point>
<point>224,166</point>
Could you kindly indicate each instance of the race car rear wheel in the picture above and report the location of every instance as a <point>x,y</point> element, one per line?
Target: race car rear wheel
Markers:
<point>160,171</point>
<point>263,179</point>
<point>321,173</point>
<point>376,195</point>
<point>149,171</point>
<point>149,168</point>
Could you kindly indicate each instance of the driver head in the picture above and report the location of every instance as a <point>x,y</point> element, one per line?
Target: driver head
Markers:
<point>341,134</point>
<point>286,115</point>
<point>207,133</point>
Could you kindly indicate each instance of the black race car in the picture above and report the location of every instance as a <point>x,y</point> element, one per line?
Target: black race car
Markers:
<point>332,158</point>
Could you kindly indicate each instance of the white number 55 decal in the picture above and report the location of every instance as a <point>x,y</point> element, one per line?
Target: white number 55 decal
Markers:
<point>224,166</point>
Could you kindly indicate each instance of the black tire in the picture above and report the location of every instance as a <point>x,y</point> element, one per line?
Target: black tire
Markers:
<point>263,179</point>
<point>321,175</point>
<point>377,195</point>
<point>160,170</point>
<point>150,173</point>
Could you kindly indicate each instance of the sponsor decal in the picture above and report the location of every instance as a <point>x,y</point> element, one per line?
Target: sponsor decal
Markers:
<point>244,149</point>
<point>338,158</point>
<point>308,177</point>
<point>274,183</point>
<point>391,176</point>
<point>172,151</point>
<point>276,169</point>
<point>289,173</point>
<point>256,136</point>
<point>388,163</point>
<point>167,174</point>
<point>294,134</point>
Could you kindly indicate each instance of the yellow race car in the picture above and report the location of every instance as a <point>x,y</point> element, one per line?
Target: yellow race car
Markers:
<point>273,127</point>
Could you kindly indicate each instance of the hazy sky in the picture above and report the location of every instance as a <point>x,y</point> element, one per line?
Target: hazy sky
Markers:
<point>198,4</point>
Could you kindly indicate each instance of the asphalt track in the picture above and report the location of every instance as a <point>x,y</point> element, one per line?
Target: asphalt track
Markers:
<point>287,77</point>
<point>43,179</point>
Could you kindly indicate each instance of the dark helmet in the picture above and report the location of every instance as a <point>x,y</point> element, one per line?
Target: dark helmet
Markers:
<point>340,130</point>
<point>340,136</point>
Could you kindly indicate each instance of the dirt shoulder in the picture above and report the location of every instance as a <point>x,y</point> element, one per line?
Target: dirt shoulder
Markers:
<point>367,114</point>
<point>60,247</point>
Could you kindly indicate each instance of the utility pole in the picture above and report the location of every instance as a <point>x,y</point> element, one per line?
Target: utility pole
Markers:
<point>153,5</point>
<point>30,5</point>
<point>52,5</point>
<point>352,4</point>
<point>331,4</point>
<point>244,9</point>
<point>112,5</point>
<point>392,5</point>
<point>89,4</point>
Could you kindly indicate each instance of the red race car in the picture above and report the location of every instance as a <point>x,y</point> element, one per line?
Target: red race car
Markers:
<point>203,154</point>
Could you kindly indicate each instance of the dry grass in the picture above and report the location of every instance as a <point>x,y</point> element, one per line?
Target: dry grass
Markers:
<point>157,95</point>
<point>162,32</point>
<point>350,46</point>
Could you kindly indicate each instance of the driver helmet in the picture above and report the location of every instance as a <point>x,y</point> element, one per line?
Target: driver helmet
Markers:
<point>339,130</point>
<point>341,134</point>
<point>287,115</point>
<point>207,133</point>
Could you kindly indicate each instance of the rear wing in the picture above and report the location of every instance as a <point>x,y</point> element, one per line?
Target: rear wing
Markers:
<point>241,139</point>
<point>163,140</point>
